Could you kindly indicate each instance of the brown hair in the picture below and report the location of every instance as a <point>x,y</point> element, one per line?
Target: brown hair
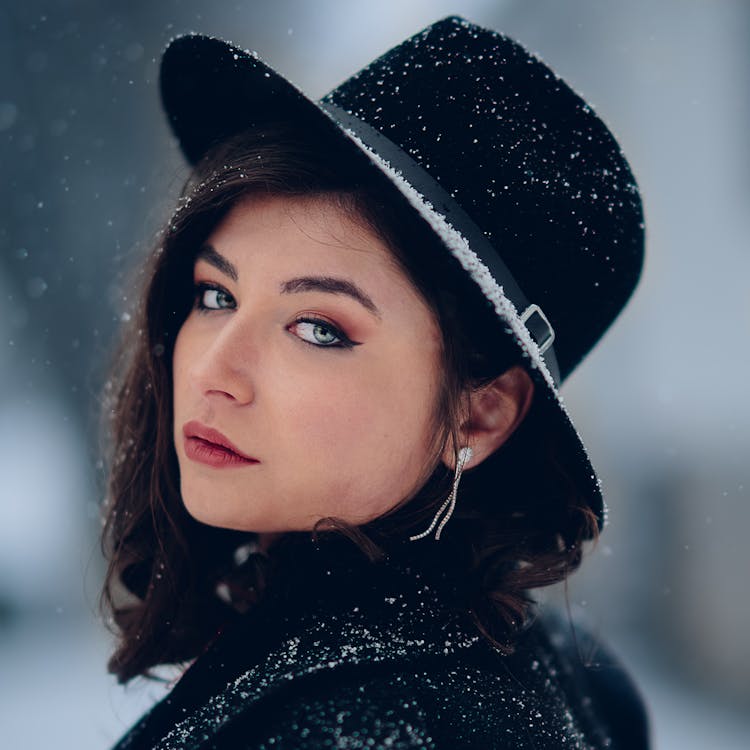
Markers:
<point>166,569</point>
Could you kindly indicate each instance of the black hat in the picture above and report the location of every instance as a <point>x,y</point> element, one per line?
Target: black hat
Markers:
<point>524,185</point>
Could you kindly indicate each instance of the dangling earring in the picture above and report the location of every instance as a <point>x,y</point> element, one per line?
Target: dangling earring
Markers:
<point>450,502</point>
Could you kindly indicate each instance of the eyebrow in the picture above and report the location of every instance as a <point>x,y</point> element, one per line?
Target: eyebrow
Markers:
<point>327,284</point>
<point>331,285</point>
<point>214,258</point>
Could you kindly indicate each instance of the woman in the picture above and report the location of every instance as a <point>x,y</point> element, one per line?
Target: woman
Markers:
<point>340,460</point>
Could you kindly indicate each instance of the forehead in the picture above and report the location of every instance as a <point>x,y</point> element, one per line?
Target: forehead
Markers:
<point>285,234</point>
<point>317,217</point>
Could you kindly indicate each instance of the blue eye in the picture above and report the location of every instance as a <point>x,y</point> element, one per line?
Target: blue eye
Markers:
<point>321,333</point>
<point>210,297</point>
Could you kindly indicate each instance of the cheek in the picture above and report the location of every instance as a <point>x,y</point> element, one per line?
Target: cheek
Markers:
<point>333,414</point>
<point>366,430</point>
<point>180,359</point>
<point>178,371</point>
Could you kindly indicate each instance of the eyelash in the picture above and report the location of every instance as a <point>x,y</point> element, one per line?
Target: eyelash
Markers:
<point>199,290</point>
<point>344,342</point>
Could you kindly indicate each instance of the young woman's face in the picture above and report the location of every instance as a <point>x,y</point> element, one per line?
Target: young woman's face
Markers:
<point>306,375</point>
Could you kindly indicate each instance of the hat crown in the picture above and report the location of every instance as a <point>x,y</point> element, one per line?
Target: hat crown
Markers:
<point>528,160</point>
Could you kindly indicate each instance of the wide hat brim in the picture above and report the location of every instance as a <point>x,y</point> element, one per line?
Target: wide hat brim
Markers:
<point>212,89</point>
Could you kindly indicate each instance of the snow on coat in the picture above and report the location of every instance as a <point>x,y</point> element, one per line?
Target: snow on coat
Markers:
<point>351,654</point>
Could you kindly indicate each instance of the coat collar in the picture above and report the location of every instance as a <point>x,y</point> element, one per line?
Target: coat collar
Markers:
<point>330,607</point>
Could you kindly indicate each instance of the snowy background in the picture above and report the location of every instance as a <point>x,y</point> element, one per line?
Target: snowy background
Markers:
<point>88,172</point>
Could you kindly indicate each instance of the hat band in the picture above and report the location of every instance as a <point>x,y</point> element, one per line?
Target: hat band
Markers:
<point>530,315</point>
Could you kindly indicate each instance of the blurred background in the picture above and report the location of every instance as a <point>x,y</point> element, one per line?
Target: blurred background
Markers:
<point>87,173</point>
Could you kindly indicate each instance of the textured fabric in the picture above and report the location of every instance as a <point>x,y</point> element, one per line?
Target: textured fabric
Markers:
<point>344,653</point>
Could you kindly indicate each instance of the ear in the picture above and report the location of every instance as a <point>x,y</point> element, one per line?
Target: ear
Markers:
<point>495,412</point>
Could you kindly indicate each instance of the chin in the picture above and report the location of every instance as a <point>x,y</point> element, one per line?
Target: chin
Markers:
<point>221,515</point>
<point>210,511</point>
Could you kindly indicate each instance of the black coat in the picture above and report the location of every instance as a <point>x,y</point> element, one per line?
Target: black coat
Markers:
<point>350,654</point>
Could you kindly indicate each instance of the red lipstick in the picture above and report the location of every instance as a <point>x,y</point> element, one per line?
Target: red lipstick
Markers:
<point>210,447</point>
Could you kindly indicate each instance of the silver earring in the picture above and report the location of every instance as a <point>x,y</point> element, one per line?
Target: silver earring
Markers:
<point>450,502</point>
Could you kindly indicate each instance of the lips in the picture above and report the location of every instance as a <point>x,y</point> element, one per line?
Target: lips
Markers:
<point>208,446</point>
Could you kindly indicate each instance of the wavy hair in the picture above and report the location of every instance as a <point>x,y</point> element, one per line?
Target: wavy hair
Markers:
<point>172,583</point>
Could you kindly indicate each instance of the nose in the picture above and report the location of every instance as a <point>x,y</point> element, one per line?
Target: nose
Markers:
<point>222,368</point>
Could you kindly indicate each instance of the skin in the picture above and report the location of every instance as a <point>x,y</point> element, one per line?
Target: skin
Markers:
<point>342,431</point>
